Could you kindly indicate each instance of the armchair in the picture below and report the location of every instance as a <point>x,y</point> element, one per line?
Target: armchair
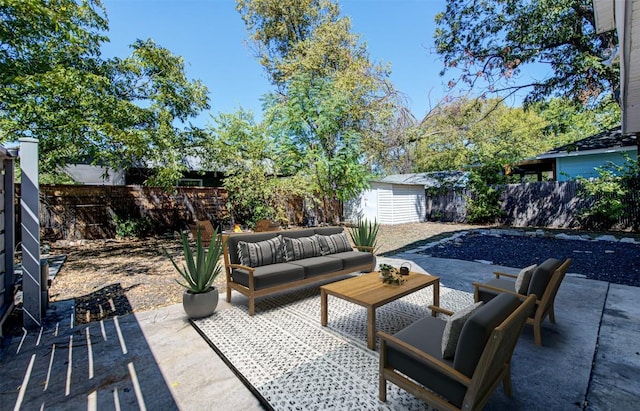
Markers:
<point>544,284</point>
<point>412,358</point>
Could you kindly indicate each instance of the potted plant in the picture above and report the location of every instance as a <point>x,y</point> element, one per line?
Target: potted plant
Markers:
<point>364,235</point>
<point>201,268</point>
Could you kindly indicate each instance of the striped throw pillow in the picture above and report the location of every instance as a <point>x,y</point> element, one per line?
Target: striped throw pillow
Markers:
<point>334,243</point>
<point>299,248</point>
<point>261,252</point>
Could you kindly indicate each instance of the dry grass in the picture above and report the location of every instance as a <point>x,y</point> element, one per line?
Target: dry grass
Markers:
<point>119,276</point>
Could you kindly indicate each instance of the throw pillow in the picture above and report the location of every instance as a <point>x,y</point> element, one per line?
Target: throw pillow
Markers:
<point>453,328</point>
<point>334,243</point>
<point>261,253</point>
<point>524,277</point>
<point>299,248</point>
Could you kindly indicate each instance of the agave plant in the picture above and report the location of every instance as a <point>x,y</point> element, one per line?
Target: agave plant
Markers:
<point>202,266</point>
<point>365,234</point>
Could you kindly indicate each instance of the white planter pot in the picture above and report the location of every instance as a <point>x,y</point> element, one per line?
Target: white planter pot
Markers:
<point>200,305</point>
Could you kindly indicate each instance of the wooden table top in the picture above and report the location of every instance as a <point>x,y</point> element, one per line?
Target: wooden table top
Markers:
<point>369,290</point>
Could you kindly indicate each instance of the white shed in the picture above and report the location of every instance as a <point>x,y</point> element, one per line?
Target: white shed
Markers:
<point>389,203</point>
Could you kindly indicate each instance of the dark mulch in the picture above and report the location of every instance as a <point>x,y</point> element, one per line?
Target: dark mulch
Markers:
<point>615,262</point>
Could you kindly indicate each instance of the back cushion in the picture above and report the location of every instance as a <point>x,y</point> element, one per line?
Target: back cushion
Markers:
<point>334,243</point>
<point>261,252</point>
<point>299,248</point>
<point>476,330</point>
<point>235,238</point>
<point>541,277</point>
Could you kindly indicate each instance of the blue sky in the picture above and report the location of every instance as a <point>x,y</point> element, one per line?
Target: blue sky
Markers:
<point>210,35</point>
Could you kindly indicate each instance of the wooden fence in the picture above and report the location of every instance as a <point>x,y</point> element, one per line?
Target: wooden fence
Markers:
<point>72,212</point>
<point>541,204</point>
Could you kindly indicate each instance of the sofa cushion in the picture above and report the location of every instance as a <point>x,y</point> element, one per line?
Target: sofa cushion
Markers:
<point>524,278</point>
<point>269,275</point>
<point>478,327</point>
<point>234,238</point>
<point>426,335</point>
<point>261,253</point>
<point>541,277</point>
<point>335,243</point>
<point>318,265</point>
<point>353,259</point>
<point>453,328</point>
<point>299,248</point>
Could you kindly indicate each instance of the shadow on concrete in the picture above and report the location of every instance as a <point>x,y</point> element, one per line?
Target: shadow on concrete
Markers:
<point>105,364</point>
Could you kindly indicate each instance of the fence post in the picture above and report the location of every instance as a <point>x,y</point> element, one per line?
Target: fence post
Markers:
<point>30,224</point>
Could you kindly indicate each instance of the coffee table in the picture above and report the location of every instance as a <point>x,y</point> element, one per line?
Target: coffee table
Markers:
<point>368,291</point>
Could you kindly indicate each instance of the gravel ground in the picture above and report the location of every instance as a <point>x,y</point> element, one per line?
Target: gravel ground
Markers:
<point>615,262</point>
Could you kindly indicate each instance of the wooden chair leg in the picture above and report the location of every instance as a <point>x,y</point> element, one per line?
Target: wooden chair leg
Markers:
<point>228,294</point>
<point>506,382</point>
<point>552,315</point>
<point>252,305</point>
<point>537,333</point>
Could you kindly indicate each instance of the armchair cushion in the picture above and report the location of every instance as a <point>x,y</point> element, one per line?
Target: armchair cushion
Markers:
<point>541,276</point>
<point>524,278</point>
<point>477,329</point>
<point>453,328</point>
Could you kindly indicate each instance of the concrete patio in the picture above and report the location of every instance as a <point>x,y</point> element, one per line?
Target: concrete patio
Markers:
<point>156,360</point>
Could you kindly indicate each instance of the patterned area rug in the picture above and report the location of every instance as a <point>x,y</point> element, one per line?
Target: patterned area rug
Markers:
<point>291,362</point>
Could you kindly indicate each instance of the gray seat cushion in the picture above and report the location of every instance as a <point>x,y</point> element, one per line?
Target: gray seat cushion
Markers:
<point>541,277</point>
<point>351,259</point>
<point>270,275</point>
<point>318,265</point>
<point>425,335</point>
<point>502,283</point>
<point>478,327</point>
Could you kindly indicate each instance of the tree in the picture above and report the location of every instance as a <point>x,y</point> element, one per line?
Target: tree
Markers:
<point>469,132</point>
<point>494,42</point>
<point>258,179</point>
<point>116,112</point>
<point>329,96</point>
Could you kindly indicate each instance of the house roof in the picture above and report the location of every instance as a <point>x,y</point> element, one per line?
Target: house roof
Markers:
<point>605,142</point>
<point>430,179</point>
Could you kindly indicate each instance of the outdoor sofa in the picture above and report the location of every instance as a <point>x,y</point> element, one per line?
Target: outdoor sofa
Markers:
<point>259,264</point>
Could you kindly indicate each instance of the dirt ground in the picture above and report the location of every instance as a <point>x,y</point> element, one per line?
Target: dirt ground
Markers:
<point>115,277</point>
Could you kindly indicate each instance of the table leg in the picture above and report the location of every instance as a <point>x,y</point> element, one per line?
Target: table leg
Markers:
<point>436,297</point>
<point>371,328</point>
<point>323,308</point>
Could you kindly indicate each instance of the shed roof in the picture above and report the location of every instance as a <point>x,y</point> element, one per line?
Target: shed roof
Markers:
<point>430,179</point>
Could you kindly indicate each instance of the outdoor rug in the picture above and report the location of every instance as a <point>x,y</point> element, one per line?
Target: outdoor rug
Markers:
<point>291,362</point>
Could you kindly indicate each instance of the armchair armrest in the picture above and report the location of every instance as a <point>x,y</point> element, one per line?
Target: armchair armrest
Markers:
<point>498,274</point>
<point>441,310</point>
<point>422,356</point>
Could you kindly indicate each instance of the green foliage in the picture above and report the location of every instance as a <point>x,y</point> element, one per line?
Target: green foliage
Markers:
<point>259,172</point>
<point>607,193</point>
<point>365,235</point>
<point>202,266</point>
<point>330,98</point>
<point>132,227</point>
<point>467,132</point>
<point>483,203</point>
<point>492,44</point>
<point>55,86</point>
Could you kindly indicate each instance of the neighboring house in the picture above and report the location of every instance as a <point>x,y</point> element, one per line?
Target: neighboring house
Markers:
<point>98,175</point>
<point>399,198</point>
<point>581,158</point>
